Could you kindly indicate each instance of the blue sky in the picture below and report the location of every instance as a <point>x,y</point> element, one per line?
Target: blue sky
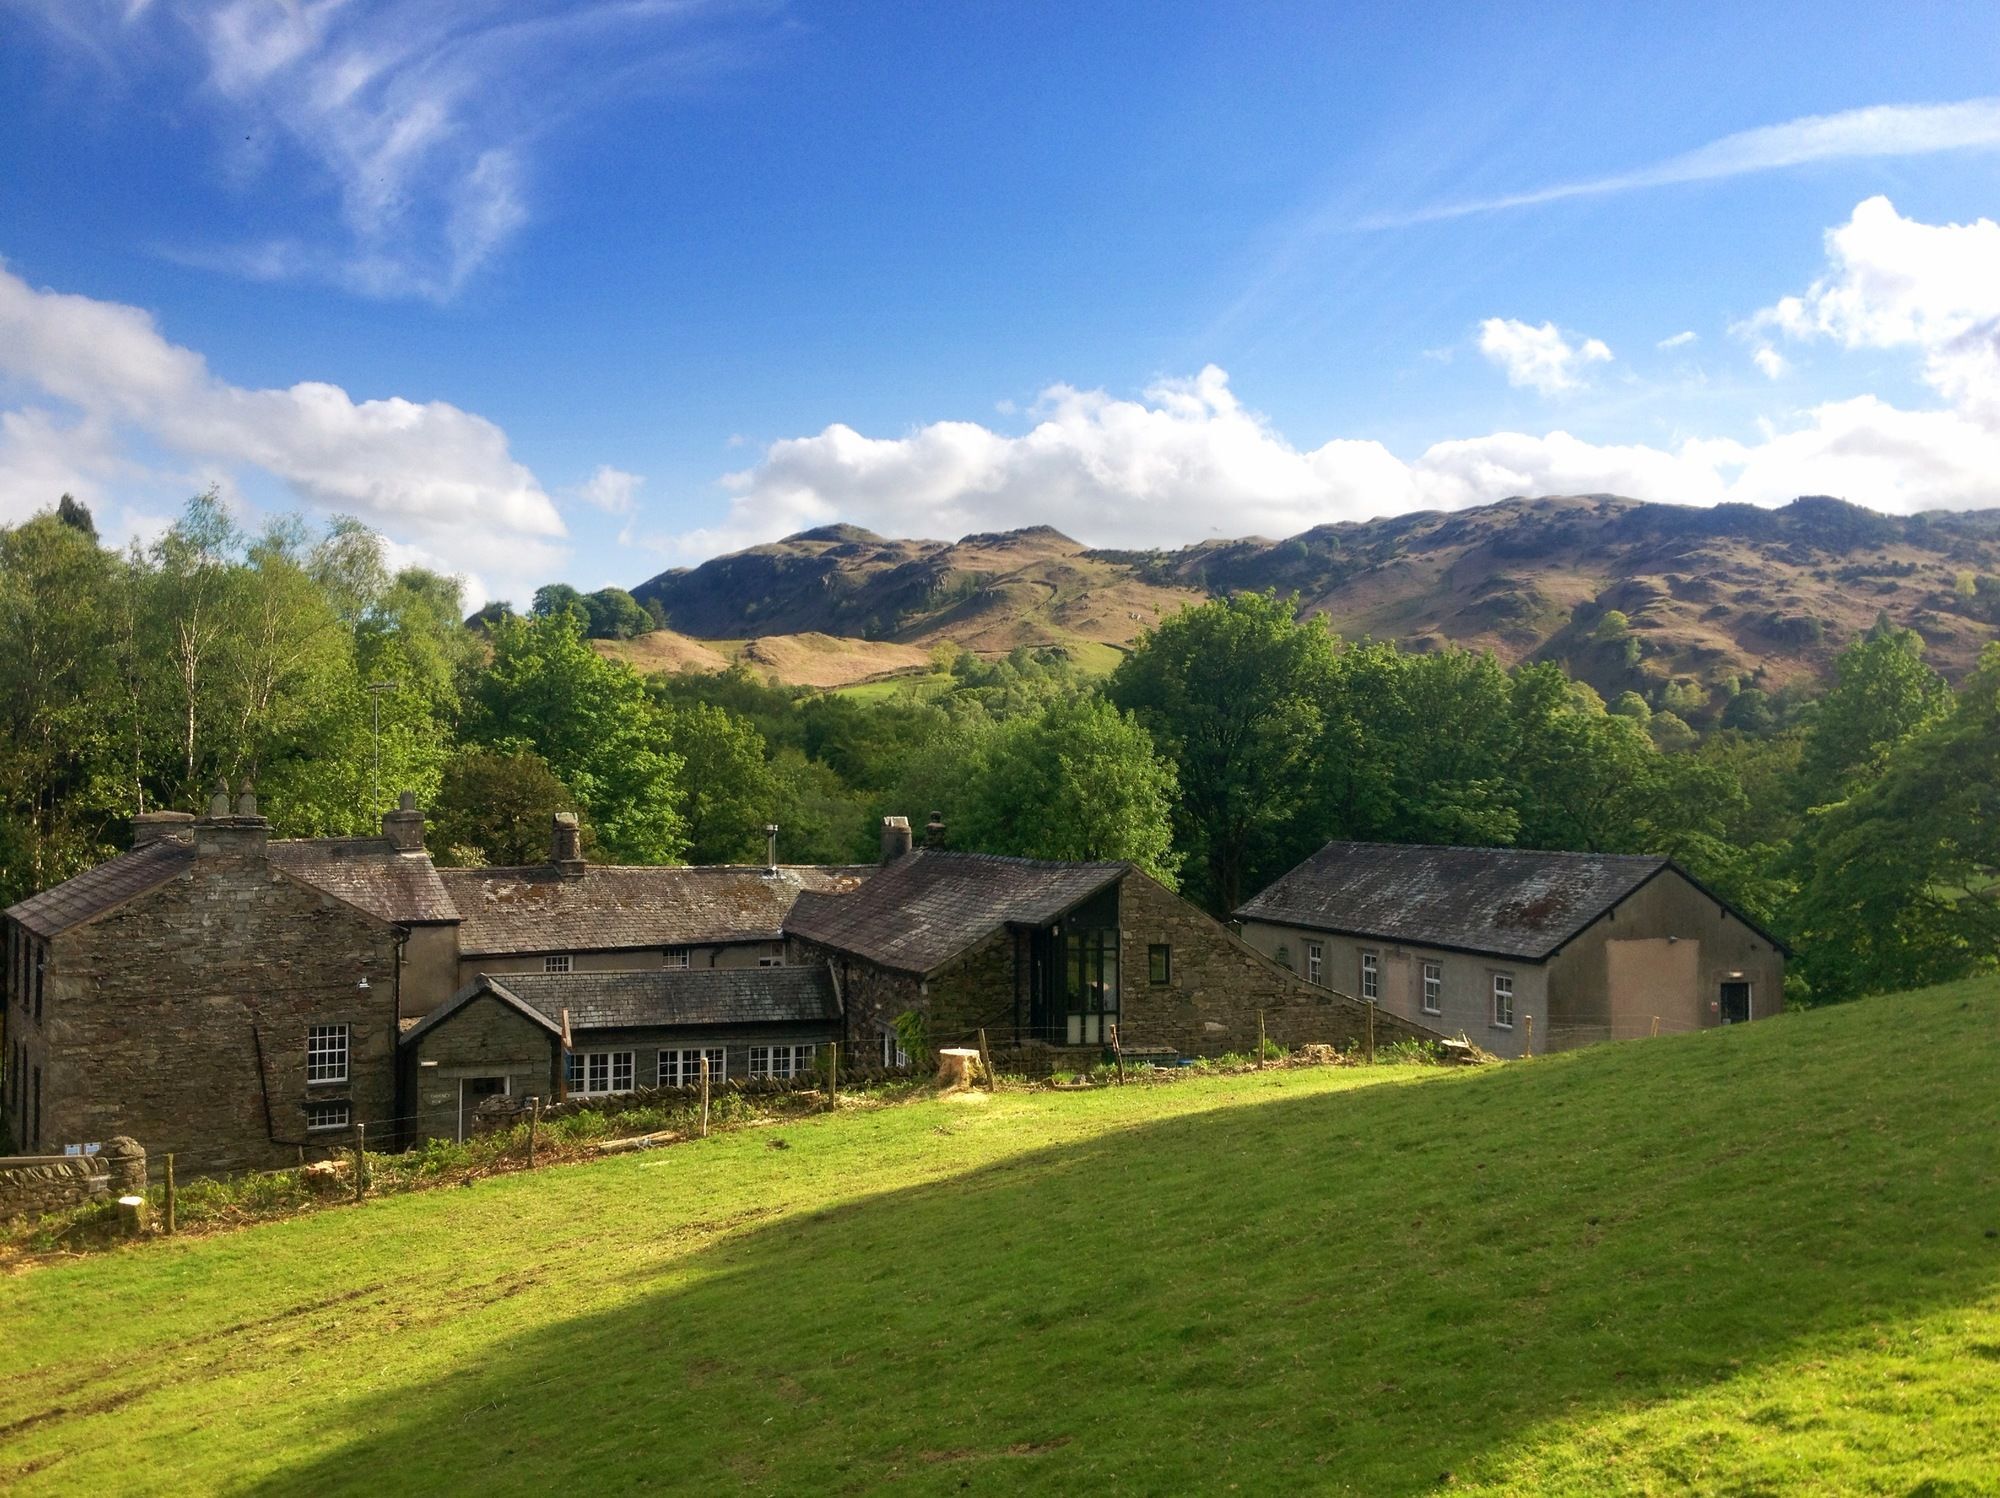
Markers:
<point>587,290</point>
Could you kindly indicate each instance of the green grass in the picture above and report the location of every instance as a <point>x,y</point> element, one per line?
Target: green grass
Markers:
<point>1750,1261</point>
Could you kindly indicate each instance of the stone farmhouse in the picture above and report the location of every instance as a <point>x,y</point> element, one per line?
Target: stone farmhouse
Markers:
<point>244,1001</point>
<point>1502,943</point>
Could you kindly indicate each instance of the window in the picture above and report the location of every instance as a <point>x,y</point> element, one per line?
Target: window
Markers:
<point>1315,962</point>
<point>1160,964</point>
<point>682,1068</point>
<point>775,957</point>
<point>893,1053</point>
<point>39,955</point>
<point>1371,976</point>
<point>323,1116</point>
<point>1433,987</point>
<point>1503,1000</point>
<point>781,1060</point>
<point>326,1054</point>
<point>674,957</point>
<point>592,1073</point>
<point>556,962</point>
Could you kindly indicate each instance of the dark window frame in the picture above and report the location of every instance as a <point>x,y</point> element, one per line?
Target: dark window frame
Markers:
<point>1159,962</point>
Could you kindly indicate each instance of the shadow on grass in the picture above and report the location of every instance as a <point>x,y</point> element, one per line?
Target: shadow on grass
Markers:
<point>1365,1289</point>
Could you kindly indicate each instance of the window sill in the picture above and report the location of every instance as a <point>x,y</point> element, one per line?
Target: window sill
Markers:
<point>1433,1012</point>
<point>1496,1025</point>
<point>328,1082</point>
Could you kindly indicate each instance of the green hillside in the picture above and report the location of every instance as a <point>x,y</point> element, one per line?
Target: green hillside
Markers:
<point>1750,1261</point>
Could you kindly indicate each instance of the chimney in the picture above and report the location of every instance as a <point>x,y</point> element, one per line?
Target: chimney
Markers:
<point>151,826</point>
<point>225,832</point>
<point>404,827</point>
<point>895,838</point>
<point>934,831</point>
<point>566,845</point>
<point>770,847</point>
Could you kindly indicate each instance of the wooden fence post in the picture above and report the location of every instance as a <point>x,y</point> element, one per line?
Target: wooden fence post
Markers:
<point>704,1094</point>
<point>360,1161</point>
<point>1371,1031</point>
<point>1118,1053</point>
<point>832,1075</point>
<point>986,1064</point>
<point>1260,1040</point>
<point>168,1216</point>
<point>1530,1049</point>
<point>1656,1024</point>
<point>534,1127</point>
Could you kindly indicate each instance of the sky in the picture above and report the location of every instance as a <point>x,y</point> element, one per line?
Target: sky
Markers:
<point>584,291</point>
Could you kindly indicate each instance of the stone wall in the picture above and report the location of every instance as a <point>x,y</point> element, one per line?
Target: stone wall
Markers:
<point>32,1185</point>
<point>180,1018</point>
<point>484,1038</point>
<point>1217,985</point>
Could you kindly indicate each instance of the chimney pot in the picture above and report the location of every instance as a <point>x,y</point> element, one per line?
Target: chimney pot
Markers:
<point>934,831</point>
<point>895,838</point>
<point>771,847</point>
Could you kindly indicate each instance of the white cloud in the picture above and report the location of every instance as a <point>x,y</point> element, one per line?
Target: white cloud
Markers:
<point>418,119</point>
<point>1894,282</point>
<point>1538,358</point>
<point>611,490</point>
<point>1188,462</point>
<point>1679,340</point>
<point>1877,131</point>
<point>428,473</point>
<point>1770,363</point>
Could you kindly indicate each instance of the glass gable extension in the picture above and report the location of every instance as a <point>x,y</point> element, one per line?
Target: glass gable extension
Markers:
<point>1076,974</point>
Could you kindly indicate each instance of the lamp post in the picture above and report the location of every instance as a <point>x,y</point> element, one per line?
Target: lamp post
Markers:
<point>375,691</point>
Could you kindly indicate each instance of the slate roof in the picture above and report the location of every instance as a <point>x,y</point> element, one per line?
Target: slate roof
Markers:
<point>1501,902</point>
<point>919,912</point>
<point>658,999</point>
<point>369,873</point>
<point>88,895</point>
<point>607,907</point>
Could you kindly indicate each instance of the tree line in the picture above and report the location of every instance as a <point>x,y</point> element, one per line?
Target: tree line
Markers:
<point>1230,742</point>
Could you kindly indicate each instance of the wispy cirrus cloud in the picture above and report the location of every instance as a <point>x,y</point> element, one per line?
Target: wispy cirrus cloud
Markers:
<point>410,128</point>
<point>1876,131</point>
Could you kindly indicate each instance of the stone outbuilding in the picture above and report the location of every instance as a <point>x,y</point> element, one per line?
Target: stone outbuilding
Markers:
<point>1047,958</point>
<point>214,993</point>
<point>1496,943</point>
<point>564,1035</point>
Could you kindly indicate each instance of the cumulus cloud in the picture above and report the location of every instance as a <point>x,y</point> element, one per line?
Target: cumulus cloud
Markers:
<point>1770,363</point>
<point>1539,358</point>
<point>418,120</point>
<point>1679,340</point>
<point>107,390</point>
<point>1893,282</point>
<point>611,490</point>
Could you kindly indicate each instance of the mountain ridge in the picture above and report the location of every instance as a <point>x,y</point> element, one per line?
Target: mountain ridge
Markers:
<point>1709,595</point>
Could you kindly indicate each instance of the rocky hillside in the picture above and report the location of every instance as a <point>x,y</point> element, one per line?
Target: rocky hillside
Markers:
<point>1623,593</point>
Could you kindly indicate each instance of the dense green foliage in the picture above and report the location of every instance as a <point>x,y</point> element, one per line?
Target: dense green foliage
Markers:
<point>1228,743</point>
<point>1755,1260</point>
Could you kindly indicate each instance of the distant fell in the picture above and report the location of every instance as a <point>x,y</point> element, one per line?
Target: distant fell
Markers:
<point>1760,596</point>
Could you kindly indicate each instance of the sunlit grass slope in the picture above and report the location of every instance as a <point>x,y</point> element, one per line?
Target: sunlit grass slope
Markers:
<point>1753,1261</point>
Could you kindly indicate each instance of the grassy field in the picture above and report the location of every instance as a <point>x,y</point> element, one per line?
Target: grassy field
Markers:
<point>1751,1261</point>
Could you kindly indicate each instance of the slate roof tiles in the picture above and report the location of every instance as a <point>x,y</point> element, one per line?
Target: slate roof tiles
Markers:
<point>1506,902</point>
<point>926,907</point>
<point>658,999</point>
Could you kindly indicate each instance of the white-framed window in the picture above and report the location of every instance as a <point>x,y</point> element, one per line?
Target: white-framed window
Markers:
<point>674,957</point>
<point>774,956</point>
<point>781,1060</point>
<point>1503,1000</point>
<point>594,1073</point>
<point>1315,962</point>
<point>326,1056</point>
<point>323,1116</point>
<point>682,1068</point>
<point>1371,976</point>
<point>893,1053</point>
<point>1433,987</point>
<point>556,962</point>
